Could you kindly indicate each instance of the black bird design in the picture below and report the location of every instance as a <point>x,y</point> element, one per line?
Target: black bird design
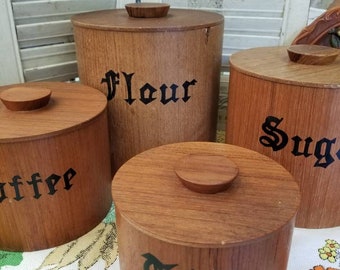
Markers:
<point>157,265</point>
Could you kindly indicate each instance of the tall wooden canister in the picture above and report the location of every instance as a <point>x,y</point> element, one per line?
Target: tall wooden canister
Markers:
<point>160,75</point>
<point>289,110</point>
<point>204,206</point>
<point>55,171</point>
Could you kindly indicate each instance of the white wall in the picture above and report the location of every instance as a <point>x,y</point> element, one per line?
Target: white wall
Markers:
<point>296,18</point>
<point>10,63</point>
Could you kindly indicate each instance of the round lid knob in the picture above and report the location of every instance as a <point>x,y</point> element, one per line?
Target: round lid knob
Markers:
<point>147,10</point>
<point>312,54</point>
<point>25,98</point>
<point>206,173</point>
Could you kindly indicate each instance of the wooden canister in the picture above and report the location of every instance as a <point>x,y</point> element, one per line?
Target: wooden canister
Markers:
<point>55,171</point>
<point>160,75</point>
<point>204,206</point>
<point>290,111</point>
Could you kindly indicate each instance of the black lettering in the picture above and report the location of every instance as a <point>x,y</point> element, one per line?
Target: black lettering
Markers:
<point>128,80</point>
<point>15,184</point>
<point>338,154</point>
<point>173,97</point>
<point>2,192</point>
<point>326,156</point>
<point>51,182</point>
<point>35,180</point>
<point>67,178</point>
<point>278,139</point>
<point>111,79</point>
<point>186,85</point>
<point>296,147</point>
<point>147,87</point>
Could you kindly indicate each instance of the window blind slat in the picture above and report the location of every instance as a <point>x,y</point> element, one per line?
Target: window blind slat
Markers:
<point>45,36</point>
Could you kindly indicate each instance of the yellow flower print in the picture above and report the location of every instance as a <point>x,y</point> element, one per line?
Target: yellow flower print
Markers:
<point>326,253</point>
<point>320,267</point>
<point>332,245</point>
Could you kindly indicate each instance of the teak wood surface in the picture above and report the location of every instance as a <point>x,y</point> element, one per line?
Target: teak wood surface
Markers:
<point>24,98</point>
<point>247,226</point>
<point>217,175</point>
<point>185,45</point>
<point>319,32</point>
<point>312,54</point>
<point>69,134</point>
<point>264,82</point>
<point>147,10</point>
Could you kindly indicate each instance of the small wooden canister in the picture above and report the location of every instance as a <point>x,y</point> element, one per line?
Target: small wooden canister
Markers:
<point>204,206</point>
<point>160,75</point>
<point>289,110</point>
<point>55,171</point>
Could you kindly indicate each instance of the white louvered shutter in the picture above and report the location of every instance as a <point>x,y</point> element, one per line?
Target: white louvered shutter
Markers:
<point>45,36</point>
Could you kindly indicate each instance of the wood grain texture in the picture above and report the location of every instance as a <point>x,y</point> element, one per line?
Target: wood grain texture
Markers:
<point>61,115</point>
<point>206,173</point>
<point>55,175</point>
<point>184,46</point>
<point>248,226</point>
<point>147,10</point>
<point>25,98</point>
<point>118,20</point>
<point>318,32</point>
<point>312,54</point>
<point>273,64</point>
<point>304,137</point>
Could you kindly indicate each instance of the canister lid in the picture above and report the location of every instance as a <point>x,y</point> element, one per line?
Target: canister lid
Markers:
<point>35,110</point>
<point>119,20</point>
<point>259,199</point>
<point>274,64</point>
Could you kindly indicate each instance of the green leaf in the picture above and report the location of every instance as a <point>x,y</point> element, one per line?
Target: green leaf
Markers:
<point>10,258</point>
<point>111,216</point>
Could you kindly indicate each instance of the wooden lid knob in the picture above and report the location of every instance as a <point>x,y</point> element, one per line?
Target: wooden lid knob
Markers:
<point>25,98</point>
<point>312,54</point>
<point>147,10</point>
<point>206,173</point>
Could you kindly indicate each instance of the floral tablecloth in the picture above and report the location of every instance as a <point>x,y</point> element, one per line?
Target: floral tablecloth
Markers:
<point>317,249</point>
